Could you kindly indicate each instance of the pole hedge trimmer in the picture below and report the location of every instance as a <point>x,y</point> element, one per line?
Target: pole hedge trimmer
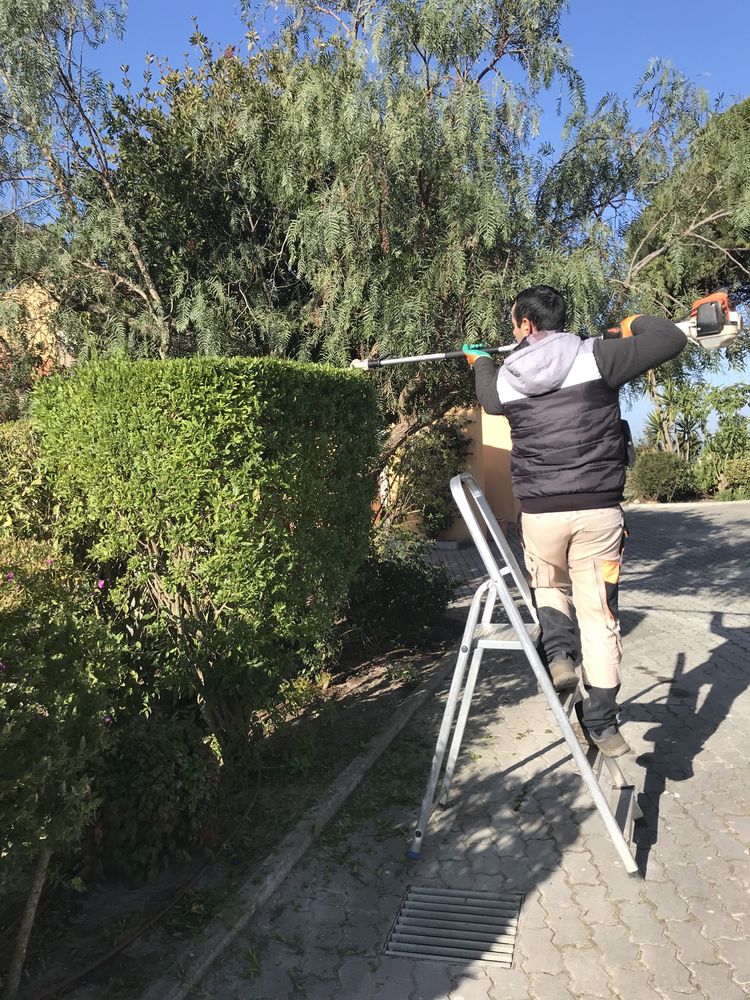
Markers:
<point>711,324</point>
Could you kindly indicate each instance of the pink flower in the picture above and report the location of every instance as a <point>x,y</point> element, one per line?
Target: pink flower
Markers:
<point>3,666</point>
<point>100,584</point>
<point>10,576</point>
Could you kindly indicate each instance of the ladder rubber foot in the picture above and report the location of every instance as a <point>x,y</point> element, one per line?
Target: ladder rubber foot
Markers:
<point>638,875</point>
<point>414,855</point>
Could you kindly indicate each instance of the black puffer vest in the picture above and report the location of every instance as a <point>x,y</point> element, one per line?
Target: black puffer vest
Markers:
<point>568,448</point>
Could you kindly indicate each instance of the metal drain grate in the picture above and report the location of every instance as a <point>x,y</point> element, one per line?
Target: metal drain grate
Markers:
<point>453,924</point>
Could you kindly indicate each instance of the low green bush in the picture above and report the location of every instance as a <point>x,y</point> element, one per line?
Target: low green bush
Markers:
<point>660,477</point>
<point>706,473</point>
<point>157,783</point>
<point>734,482</point>
<point>59,670</point>
<point>226,502</point>
<point>397,596</point>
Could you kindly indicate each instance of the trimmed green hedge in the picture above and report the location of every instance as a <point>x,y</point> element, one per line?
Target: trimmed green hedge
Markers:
<point>226,504</point>
<point>59,670</point>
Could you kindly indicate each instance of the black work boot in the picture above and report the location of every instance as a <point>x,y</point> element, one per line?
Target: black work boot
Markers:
<point>609,741</point>
<point>563,673</point>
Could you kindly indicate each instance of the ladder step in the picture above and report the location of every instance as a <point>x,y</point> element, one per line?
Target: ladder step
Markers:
<point>485,634</point>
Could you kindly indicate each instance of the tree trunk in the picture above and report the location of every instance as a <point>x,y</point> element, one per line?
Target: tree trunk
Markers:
<point>399,433</point>
<point>27,922</point>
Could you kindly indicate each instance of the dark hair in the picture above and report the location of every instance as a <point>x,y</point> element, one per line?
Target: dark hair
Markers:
<point>541,305</point>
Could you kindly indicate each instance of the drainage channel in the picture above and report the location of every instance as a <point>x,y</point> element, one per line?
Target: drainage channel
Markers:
<point>448,925</point>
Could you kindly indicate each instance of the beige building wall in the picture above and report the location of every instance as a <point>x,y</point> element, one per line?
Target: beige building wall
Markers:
<point>458,532</point>
<point>489,464</point>
<point>495,451</point>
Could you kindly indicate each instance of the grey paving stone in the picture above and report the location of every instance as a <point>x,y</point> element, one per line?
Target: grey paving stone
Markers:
<point>468,988</point>
<point>691,945</point>
<point>586,971</point>
<point>537,951</point>
<point>543,853</point>
<point>736,953</point>
<point>668,974</point>
<point>546,987</point>
<point>669,905</point>
<point>353,974</point>
<point>555,892</point>
<point>714,920</point>
<point>641,923</point>
<point>580,869</point>
<point>741,870</point>
<point>633,983</point>
<point>568,929</point>
<point>508,984</point>
<point>396,969</point>
<point>733,897</point>
<point>714,981</point>
<point>595,905</point>
<point>533,913</point>
<point>617,951</point>
<point>727,846</point>
<point>691,882</point>
<point>433,981</point>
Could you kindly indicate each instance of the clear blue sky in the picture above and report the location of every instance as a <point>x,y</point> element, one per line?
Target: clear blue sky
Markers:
<point>612,42</point>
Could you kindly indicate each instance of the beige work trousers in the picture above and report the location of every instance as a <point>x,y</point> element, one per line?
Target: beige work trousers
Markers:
<point>574,558</point>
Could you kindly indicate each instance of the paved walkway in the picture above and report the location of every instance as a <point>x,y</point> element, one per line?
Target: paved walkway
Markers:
<point>520,820</point>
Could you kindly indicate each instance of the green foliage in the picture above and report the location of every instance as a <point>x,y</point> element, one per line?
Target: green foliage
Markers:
<point>734,483</point>
<point>678,421</point>
<point>679,424</point>
<point>694,234</point>
<point>706,473</point>
<point>660,477</point>
<point>227,506</point>
<point>25,503</point>
<point>419,478</point>
<point>370,180</point>
<point>59,670</point>
<point>157,783</point>
<point>397,596</point>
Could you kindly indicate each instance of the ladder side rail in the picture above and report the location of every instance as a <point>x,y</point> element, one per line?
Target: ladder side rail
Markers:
<point>463,486</point>
<point>446,725</point>
<point>463,713</point>
<point>563,722</point>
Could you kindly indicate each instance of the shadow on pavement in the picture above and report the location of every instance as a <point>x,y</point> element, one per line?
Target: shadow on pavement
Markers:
<point>690,547</point>
<point>682,726</point>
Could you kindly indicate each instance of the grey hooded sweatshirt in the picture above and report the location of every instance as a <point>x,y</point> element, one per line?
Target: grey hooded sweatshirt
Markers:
<point>560,393</point>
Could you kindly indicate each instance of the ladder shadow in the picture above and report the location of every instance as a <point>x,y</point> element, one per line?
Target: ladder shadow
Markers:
<point>682,726</point>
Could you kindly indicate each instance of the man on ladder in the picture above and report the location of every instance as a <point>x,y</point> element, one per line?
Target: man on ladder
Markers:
<point>559,393</point>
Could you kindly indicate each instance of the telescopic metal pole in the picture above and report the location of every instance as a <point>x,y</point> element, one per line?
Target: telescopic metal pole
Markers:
<point>370,363</point>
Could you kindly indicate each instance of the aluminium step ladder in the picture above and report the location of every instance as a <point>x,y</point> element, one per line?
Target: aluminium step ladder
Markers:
<point>480,634</point>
